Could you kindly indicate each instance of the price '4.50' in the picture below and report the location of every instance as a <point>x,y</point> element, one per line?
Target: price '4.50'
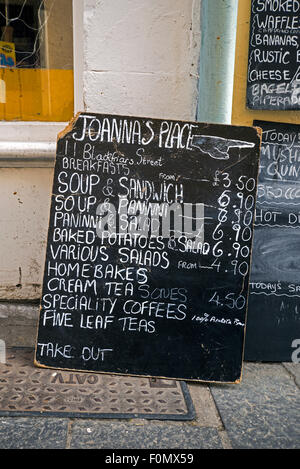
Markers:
<point>231,301</point>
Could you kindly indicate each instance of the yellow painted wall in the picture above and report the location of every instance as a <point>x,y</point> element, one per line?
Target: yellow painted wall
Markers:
<point>37,94</point>
<point>240,114</point>
<point>45,93</point>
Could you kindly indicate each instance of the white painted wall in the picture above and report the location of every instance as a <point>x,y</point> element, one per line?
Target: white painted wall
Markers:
<point>24,207</point>
<point>140,58</point>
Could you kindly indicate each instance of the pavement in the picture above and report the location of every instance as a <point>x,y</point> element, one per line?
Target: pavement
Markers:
<point>262,412</point>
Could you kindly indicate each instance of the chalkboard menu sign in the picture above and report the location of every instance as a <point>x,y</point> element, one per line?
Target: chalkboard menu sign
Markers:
<point>274,55</point>
<point>274,294</point>
<point>149,244</point>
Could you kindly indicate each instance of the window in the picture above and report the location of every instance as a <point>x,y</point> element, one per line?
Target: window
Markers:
<point>36,60</point>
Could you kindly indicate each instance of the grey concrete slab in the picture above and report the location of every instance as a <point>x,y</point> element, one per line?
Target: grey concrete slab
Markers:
<point>33,433</point>
<point>18,324</point>
<point>119,435</point>
<point>294,370</point>
<point>263,411</point>
<point>19,313</point>
<point>205,408</point>
<point>18,335</point>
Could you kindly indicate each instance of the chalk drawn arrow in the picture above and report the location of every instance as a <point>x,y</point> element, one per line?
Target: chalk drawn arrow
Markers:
<point>218,147</point>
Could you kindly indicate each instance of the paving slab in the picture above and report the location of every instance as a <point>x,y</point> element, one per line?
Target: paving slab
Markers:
<point>144,435</point>
<point>263,412</point>
<point>294,370</point>
<point>33,433</point>
<point>206,413</point>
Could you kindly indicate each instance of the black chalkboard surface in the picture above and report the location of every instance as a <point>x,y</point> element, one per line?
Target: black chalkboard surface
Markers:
<point>274,57</point>
<point>149,243</point>
<point>273,322</point>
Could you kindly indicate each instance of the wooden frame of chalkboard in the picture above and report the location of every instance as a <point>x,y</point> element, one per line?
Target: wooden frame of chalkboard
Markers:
<point>273,81</point>
<point>273,317</point>
<point>148,252</point>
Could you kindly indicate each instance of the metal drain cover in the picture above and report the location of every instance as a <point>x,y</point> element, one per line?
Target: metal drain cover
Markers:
<point>27,390</point>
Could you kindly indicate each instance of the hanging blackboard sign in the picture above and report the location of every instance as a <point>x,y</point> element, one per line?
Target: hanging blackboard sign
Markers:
<point>273,313</point>
<point>274,57</point>
<point>149,243</point>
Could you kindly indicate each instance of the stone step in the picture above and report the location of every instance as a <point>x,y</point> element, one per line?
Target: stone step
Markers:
<point>18,324</point>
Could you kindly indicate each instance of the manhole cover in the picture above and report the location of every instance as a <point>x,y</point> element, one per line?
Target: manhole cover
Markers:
<point>25,389</point>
